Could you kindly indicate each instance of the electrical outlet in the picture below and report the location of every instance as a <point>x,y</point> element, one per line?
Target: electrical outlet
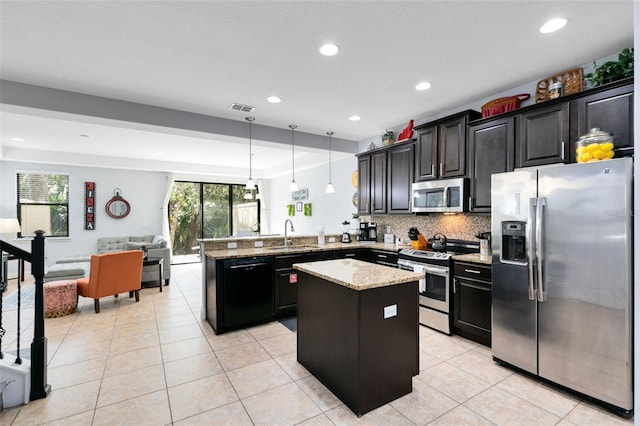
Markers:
<point>332,239</point>
<point>258,244</point>
<point>390,311</point>
<point>232,245</point>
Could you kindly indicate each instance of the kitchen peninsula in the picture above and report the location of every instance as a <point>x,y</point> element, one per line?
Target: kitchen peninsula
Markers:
<point>250,280</point>
<point>358,330</point>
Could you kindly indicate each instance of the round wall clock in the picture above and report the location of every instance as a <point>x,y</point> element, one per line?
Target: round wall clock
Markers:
<point>117,207</point>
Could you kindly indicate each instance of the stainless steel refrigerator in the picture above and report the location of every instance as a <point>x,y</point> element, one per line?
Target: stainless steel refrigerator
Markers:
<point>562,262</point>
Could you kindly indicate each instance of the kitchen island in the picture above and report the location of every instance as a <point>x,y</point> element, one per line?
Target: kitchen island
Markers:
<point>358,330</point>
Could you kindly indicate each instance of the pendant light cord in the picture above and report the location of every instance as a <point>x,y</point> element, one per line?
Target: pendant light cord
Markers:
<point>330,135</point>
<point>293,157</point>
<point>250,120</point>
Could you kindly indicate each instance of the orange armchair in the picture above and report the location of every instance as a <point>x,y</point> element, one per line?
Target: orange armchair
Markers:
<point>112,273</point>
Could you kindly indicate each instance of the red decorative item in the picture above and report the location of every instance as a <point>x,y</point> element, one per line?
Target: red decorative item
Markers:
<point>406,133</point>
<point>500,105</point>
<point>89,206</point>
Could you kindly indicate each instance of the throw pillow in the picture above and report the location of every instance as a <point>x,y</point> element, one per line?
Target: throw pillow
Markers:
<point>134,245</point>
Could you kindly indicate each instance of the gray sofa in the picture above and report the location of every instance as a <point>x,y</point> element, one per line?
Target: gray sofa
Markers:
<point>74,267</point>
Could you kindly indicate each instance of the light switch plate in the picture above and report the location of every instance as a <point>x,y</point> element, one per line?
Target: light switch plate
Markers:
<point>258,244</point>
<point>390,311</point>
<point>232,245</point>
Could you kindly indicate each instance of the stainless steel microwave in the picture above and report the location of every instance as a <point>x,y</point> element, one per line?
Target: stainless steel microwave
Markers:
<point>440,196</point>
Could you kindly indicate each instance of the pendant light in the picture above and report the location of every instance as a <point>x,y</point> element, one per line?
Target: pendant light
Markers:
<point>330,189</point>
<point>293,186</point>
<point>250,184</point>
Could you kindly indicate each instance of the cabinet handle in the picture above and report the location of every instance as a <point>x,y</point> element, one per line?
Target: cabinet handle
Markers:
<point>470,202</point>
<point>431,174</point>
<point>349,255</point>
<point>472,271</point>
<point>562,152</point>
<point>454,285</point>
<point>441,169</point>
<point>382,256</point>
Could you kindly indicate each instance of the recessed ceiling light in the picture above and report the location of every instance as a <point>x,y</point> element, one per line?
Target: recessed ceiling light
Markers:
<point>17,139</point>
<point>84,136</point>
<point>354,118</point>
<point>553,25</point>
<point>329,49</point>
<point>423,85</point>
<point>274,99</point>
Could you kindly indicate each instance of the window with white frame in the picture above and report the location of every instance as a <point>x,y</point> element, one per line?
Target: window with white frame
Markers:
<point>43,203</point>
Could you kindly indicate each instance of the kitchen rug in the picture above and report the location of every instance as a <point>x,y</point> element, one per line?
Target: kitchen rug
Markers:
<point>10,302</point>
<point>290,323</point>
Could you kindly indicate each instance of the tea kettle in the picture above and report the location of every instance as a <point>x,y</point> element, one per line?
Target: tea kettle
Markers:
<point>438,242</point>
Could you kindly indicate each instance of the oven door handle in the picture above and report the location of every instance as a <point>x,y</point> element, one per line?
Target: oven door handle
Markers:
<point>436,270</point>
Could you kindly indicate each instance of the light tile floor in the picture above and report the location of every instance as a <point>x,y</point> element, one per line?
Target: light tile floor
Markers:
<point>156,362</point>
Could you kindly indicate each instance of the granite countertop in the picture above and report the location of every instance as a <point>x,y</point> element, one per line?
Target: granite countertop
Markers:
<point>356,274</point>
<point>473,258</point>
<point>270,251</point>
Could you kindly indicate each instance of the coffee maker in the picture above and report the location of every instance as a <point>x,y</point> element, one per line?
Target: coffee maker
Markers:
<point>368,231</point>
<point>346,237</point>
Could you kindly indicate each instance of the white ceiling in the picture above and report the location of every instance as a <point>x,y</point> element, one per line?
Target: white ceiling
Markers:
<point>201,56</point>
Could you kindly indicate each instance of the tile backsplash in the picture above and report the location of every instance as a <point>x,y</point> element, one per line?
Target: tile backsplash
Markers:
<point>456,226</point>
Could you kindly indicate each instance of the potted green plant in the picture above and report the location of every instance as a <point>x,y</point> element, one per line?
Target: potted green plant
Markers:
<point>612,70</point>
<point>388,138</point>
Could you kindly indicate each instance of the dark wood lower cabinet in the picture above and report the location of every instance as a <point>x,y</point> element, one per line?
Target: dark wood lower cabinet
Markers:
<point>286,281</point>
<point>472,302</point>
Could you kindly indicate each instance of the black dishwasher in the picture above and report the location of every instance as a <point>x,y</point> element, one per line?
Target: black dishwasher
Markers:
<point>247,291</point>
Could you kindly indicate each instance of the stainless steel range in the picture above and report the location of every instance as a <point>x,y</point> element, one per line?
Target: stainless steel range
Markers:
<point>435,288</point>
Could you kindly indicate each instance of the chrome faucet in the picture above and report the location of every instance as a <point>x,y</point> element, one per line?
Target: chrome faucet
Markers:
<point>286,240</point>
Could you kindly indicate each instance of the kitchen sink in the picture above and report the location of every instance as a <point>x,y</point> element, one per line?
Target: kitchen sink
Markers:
<point>290,248</point>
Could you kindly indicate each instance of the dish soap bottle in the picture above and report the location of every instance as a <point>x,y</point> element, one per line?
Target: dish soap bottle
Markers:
<point>321,236</point>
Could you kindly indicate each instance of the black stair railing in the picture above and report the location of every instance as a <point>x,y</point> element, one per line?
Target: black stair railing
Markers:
<point>39,387</point>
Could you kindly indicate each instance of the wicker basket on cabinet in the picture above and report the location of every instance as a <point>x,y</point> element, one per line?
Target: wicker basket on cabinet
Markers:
<point>572,81</point>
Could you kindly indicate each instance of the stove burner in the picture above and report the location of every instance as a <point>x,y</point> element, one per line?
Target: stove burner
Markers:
<point>426,254</point>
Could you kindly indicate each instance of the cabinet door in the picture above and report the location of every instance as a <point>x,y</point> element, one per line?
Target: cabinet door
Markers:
<point>543,136</point>
<point>286,284</point>
<point>364,184</point>
<point>611,111</point>
<point>472,309</point>
<point>286,291</point>
<point>400,179</point>
<point>452,148</point>
<point>491,151</point>
<point>379,182</point>
<point>427,153</point>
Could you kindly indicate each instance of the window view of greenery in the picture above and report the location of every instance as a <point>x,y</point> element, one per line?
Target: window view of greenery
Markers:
<point>209,210</point>
<point>43,204</point>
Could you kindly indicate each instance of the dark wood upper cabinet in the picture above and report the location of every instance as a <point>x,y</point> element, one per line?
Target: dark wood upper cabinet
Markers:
<point>427,153</point>
<point>379,182</point>
<point>610,110</point>
<point>441,147</point>
<point>400,178</point>
<point>364,184</point>
<point>543,136</point>
<point>372,182</point>
<point>491,151</point>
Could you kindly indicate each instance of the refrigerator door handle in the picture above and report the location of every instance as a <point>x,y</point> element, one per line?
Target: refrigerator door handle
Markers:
<point>539,247</point>
<point>530,247</point>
